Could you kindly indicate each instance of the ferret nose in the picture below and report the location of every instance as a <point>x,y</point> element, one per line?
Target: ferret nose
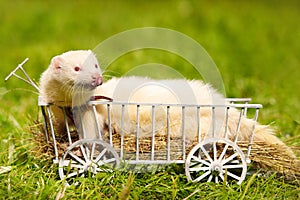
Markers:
<point>97,80</point>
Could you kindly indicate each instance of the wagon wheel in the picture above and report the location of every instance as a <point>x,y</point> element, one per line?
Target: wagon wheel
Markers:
<point>216,160</point>
<point>86,158</point>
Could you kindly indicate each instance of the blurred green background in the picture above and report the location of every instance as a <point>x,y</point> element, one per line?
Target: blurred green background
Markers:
<point>255,45</point>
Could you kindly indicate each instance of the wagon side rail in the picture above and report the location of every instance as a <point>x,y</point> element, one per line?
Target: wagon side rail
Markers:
<point>242,106</point>
<point>48,124</point>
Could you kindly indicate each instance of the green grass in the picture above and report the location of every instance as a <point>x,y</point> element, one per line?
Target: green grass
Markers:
<point>254,44</point>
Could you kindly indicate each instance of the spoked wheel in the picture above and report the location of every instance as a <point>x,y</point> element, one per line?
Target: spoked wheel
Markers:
<point>215,160</point>
<point>86,158</point>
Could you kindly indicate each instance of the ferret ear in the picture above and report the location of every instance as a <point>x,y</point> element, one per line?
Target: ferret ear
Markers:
<point>57,62</point>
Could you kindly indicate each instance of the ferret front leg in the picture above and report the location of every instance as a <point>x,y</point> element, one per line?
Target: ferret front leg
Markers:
<point>86,123</point>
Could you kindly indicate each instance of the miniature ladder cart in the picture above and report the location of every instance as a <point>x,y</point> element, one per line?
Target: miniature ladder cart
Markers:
<point>213,158</point>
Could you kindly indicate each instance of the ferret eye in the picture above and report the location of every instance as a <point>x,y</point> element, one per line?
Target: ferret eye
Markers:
<point>96,66</point>
<point>76,68</point>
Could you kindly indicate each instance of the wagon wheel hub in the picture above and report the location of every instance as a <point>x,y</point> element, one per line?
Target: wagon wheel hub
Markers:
<point>216,168</point>
<point>90,166</point>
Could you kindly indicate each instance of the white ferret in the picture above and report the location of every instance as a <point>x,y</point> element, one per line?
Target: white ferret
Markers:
<point>70,81</point>
<point>73,78</point>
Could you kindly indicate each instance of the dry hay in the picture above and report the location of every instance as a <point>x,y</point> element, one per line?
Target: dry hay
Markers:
<point>271,157</point>
<point>264,156</point>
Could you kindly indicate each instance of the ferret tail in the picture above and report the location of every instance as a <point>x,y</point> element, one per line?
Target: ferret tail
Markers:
<point>269,152</point>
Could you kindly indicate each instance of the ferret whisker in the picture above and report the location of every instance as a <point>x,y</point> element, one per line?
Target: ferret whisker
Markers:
<point>107,77</point>
<point>110,73</point>
<point>68,86</point>
<point>106,71</point>
<point>81,95</point>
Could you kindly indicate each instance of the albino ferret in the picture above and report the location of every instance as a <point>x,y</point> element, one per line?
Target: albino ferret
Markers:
<point>70,81</point>
<point>73,78</point>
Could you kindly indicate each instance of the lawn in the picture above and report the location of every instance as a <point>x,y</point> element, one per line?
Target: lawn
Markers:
<point>255,46</point>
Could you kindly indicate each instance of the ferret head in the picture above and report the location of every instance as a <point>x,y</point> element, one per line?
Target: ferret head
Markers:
<point>76,74</point>
<point>79,69</point>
